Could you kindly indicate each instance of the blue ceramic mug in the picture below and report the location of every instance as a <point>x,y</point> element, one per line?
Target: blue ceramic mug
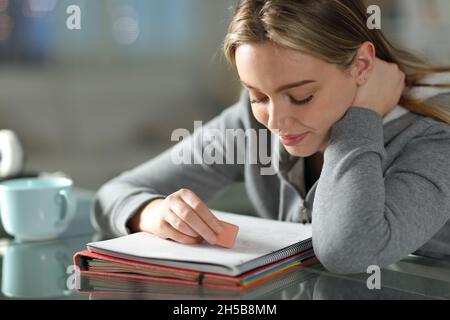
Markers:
<point>36,208</point>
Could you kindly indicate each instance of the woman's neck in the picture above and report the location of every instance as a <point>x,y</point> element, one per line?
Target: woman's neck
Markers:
<point>313,169</point>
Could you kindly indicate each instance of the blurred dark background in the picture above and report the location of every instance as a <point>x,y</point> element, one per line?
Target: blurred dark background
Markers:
<point>97,101</point>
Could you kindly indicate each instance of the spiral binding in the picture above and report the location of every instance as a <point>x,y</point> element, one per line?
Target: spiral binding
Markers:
<point>276,256</point>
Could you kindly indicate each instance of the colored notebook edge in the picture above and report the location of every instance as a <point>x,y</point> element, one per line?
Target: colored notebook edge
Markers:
<point>242,281</point>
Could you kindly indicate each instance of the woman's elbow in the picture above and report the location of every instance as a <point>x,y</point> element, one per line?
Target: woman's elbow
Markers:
<point>339,259</point>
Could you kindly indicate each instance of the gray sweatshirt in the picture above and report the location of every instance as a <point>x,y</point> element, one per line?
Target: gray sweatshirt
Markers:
<point>384,190</point>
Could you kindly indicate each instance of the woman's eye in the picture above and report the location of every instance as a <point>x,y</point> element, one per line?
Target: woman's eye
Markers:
<point>302,102</point>
<point>255,101</point>
<point>294,101</point>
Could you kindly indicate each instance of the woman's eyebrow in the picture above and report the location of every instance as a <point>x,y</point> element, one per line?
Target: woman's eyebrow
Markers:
<point>284,87</point>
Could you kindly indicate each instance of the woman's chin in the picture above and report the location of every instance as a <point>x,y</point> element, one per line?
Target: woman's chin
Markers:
<point>301,151</point>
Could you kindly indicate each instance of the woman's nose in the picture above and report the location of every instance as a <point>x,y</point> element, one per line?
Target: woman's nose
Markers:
<point>277,116</point>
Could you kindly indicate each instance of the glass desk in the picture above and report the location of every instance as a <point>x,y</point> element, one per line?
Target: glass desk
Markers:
<point>42,270</point>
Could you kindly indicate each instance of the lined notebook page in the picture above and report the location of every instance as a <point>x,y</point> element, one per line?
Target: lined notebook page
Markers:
<point>257,237</point>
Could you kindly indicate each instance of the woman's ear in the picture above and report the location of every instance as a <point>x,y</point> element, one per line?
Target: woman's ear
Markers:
<point>364,63</point>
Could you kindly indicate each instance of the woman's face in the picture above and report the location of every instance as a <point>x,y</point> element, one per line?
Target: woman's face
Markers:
<point>317,97</point>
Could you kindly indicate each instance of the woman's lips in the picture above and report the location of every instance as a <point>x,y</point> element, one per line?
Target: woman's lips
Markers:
<point>292,140</point>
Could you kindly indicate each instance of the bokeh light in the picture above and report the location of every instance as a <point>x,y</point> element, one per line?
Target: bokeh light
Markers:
<point>38,8</point>
<point>125,25</point>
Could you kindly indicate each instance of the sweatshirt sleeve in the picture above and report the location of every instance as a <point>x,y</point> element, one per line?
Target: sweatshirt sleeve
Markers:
<point>363,216</point>
<point>182,166</point>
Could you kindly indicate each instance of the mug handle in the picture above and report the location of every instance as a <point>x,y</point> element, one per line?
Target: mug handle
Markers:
<point>68,208</point>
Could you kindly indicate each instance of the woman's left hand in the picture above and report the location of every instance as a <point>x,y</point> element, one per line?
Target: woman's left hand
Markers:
<point>383,88</point>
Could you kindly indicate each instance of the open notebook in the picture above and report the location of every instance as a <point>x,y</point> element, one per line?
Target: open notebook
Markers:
<point>259,242</point>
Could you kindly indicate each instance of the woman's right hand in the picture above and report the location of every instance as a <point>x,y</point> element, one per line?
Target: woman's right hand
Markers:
<point>383,89</point>
<point>182,216</point>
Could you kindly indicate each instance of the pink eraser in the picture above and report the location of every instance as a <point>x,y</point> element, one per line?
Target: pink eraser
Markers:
<point>228,236</point>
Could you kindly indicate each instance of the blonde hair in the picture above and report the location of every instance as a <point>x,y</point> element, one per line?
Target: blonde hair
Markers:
<point>332,30</point>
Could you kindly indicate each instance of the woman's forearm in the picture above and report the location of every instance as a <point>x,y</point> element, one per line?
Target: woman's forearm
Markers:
<point>121,198</point>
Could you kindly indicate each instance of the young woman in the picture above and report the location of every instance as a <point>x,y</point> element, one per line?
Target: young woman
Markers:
<point>361,158</point>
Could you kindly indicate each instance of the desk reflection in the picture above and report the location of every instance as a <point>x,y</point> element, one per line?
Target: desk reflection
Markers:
<point>294,284</point>
<point>329,287</point>
<point>304,283</point>
<point>38,270</point>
